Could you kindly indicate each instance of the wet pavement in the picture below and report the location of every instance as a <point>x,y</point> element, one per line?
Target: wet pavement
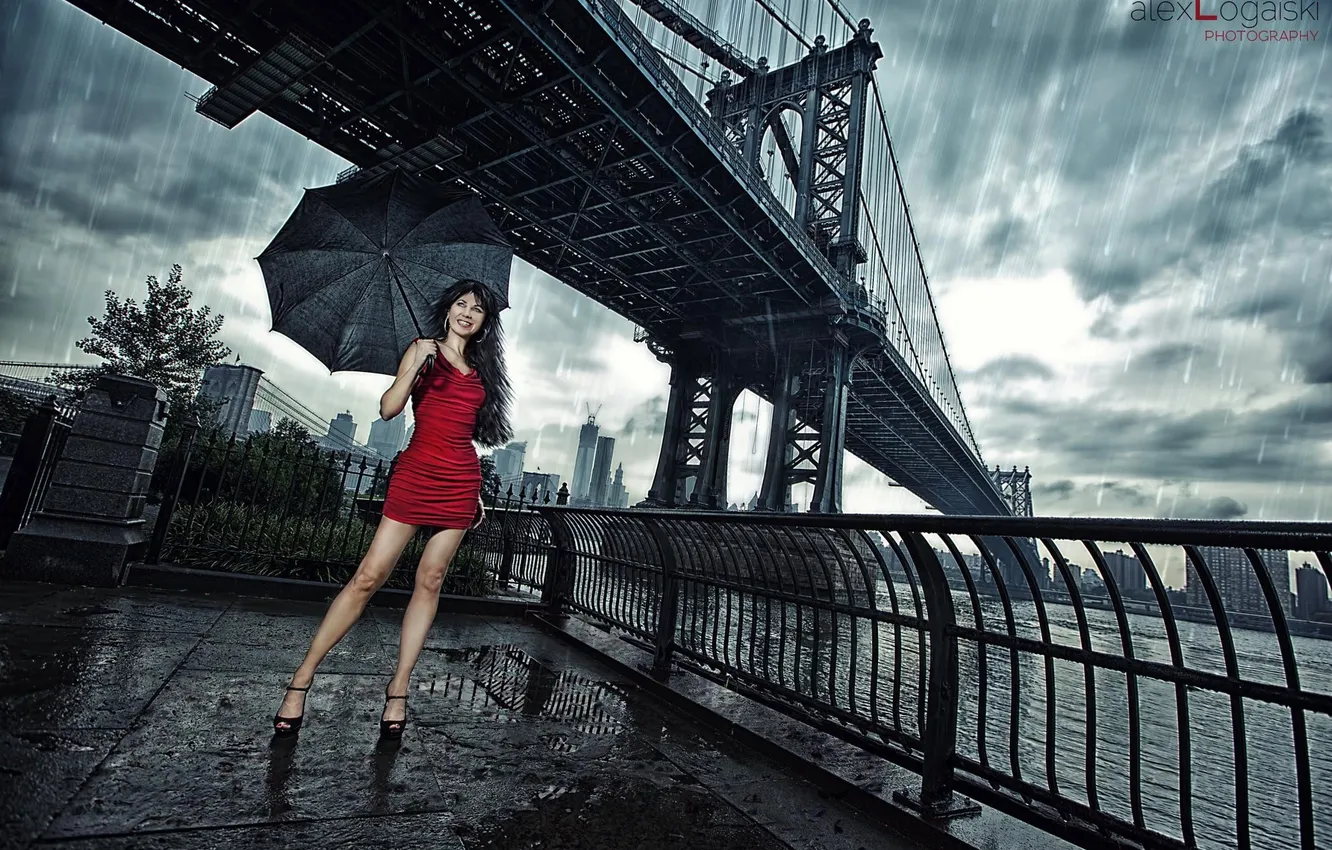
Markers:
<point>139,718</point>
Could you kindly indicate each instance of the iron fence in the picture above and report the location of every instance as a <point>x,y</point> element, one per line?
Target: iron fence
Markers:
<point>281,505</point>
<point>1140,717</point>
<point>37,449</point>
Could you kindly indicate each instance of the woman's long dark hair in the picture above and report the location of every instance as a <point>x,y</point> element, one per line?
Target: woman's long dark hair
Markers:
<point>485,354</point>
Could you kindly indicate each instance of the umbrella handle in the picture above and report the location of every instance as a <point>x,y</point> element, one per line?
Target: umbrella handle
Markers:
<point>429,364</point>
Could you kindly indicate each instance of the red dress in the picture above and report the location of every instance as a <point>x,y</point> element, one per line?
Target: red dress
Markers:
<point>436,481</point>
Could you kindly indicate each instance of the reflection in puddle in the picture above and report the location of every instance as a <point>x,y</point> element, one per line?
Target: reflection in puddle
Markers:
<point>509,684</point>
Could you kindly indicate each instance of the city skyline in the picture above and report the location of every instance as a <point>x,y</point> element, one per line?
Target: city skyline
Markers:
<point>1139,369</point>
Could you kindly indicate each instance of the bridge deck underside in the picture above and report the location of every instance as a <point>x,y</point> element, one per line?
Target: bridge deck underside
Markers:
<point>592,173</point>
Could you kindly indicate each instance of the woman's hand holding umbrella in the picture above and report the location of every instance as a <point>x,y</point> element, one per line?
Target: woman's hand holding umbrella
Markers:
<point>425,350</point>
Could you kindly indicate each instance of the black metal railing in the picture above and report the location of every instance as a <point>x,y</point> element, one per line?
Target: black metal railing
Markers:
<point>1046,667</point>
<point>36,451</point>
<point>279,504</point>
<point>1102,704</point>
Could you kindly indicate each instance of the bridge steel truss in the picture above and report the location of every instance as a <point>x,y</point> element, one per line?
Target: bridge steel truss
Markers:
<point>606,173</point>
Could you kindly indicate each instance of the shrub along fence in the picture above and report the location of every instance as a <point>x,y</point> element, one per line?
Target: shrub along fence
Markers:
<point>277,504</point>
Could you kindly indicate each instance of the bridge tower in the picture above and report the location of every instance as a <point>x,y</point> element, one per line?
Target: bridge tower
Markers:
<point>697,437</point>
<point>1015,487</point>
<point>815,349</point>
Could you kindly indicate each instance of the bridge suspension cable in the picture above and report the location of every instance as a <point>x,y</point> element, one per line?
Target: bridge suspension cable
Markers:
<point>786,26</point>
<point>914,325</point>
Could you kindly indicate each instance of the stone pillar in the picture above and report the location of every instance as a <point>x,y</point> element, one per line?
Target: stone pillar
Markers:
<point>91,521</point>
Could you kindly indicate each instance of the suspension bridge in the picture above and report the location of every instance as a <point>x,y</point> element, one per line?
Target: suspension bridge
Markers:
<point>724,179</point>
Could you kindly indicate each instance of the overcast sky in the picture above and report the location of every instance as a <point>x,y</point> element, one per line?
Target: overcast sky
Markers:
<point>1128,231</point>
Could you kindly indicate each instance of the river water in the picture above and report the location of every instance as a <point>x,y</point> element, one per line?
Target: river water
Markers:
<point>874,671</point>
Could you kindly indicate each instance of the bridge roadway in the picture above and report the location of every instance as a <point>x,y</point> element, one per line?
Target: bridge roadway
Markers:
<point>602,168</point>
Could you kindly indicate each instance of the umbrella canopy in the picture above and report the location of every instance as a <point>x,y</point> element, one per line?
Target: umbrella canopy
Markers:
<point>354,275</point>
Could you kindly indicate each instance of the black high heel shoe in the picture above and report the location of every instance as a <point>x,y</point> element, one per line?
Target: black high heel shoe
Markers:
<point>392,729</point>
<point>293,723</point>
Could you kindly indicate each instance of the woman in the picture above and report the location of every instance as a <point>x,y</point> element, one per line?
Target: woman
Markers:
<point>460,393</point>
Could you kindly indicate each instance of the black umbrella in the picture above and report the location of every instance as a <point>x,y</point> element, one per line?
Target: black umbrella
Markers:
<point>355,273</point>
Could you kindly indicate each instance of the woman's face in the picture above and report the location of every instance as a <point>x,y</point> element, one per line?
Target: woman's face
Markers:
<point>466,316</point>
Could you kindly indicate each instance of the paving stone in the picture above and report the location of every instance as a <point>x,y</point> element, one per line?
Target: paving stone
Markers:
<point>203,755</point>
<point>56,677</point>
<point>40,772</point>
<point>124,608</point>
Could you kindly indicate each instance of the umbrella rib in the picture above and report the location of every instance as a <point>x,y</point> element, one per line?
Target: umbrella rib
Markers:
<point>402,275</point>
<point>325,286</point>
<point>399,262</point>
<point>353,304</point>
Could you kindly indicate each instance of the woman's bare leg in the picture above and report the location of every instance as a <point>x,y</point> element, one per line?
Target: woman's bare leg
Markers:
<point>391,537</point>
<point>420,613</point>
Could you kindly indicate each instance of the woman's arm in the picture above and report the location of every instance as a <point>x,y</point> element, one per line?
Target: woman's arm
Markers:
<point>394,399</point>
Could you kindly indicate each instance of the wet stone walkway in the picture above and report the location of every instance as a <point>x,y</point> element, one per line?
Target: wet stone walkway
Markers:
<point>142,719</point>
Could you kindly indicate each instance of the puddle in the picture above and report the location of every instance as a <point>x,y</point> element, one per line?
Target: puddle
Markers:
<point>506,684</point>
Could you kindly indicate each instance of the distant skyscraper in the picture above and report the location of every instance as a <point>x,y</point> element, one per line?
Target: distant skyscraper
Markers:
<point>1236,581</point>
<point>509,465</point>
<point>601,471</point>
<point>1310,592</point>
<point>387,436</point>
<point>341,431</point>
<point>618,496</point>
<point>587,450</point>
<point>233,389</point>
<point>1128,573</point>
<point>261,421</point>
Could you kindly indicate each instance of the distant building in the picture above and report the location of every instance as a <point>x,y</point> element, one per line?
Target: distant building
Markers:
<point>1237,581</point>
<point>1128,573</point>
<point>261,421</point>
<point>1311,596</point>
<point>509,465</point>
<point>618,497</point>
<point>388,436</point>
<point>601,472</point>
<point>1091,584</point>
<point>341,432</point>
<point>587,449</point>
<point>233,389</point>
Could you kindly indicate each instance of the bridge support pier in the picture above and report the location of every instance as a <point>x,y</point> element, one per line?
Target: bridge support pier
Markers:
<point>811,385</point>
<point>697,438</point>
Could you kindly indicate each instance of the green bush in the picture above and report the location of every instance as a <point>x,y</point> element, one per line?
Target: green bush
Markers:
<point>237,537</point>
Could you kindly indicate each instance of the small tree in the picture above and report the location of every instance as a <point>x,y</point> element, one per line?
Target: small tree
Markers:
<point>290,430</point>
<point>490,479</point>
<point>164,341</point>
